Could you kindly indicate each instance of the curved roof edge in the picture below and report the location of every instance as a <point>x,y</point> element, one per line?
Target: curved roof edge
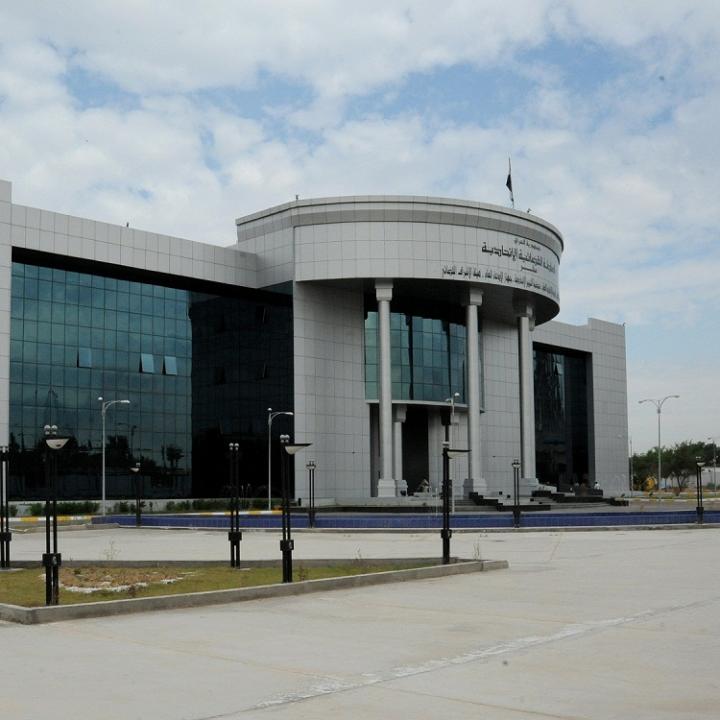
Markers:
<point>400,203</point>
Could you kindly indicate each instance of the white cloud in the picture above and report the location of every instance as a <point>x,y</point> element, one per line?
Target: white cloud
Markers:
<point>627,167</point>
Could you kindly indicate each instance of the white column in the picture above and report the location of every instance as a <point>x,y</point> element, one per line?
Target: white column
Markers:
<point>475,481</point>
<point>386,483</point>
<point>400,413</point>
<point>526,324</point>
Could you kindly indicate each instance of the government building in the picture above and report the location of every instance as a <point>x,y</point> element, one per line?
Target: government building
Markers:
<point>384,324</point>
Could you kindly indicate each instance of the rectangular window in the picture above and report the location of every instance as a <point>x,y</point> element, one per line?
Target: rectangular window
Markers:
<point>84,358</point>
<point>147,363</point>
<point>170,365</point>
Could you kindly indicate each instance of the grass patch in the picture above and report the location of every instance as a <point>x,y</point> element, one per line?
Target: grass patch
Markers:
<point>96,584</point>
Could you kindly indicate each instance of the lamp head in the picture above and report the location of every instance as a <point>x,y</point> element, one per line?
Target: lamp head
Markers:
<point>292,448</point>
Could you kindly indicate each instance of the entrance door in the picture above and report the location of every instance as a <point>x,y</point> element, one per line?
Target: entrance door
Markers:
<point>415,447</point>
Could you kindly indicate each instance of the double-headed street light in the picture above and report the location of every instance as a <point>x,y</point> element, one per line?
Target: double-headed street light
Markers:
<point>105,404</point>
<point>516,492</point>
<point>5,534</point>
<point>658,403</point>
<point>234,535</point>
<point>451,401</point>
<point>271,416</point>
<point>286,544</point>
<point>699,464</point>
<point>311,466</point>
<point>714,442</point>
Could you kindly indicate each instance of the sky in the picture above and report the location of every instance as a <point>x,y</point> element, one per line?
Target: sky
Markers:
<point>178,117</point>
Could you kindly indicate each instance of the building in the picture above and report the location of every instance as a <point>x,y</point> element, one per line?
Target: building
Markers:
<point>384,324</point>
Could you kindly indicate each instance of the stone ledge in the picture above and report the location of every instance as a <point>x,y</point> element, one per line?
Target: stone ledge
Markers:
<point>57,613</point>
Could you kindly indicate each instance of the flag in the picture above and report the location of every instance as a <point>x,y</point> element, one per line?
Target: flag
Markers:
<point>508,183</point>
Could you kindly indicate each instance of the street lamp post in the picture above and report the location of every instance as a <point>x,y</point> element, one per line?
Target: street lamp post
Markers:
<point>286,544</point>
<point>135,470</point>
<point>448,454</point>
<point>658,403</point>
<point>105,404</point>
<point>516,492</point>
<point>714,442</point>
<point>699,464</point>
<point>234,536</point>
<point>449,435</point>
<point>311,492</point>
<point>271,416</point>
<point>5,534</point>
<point>451,400</point>
<point>51,558</point>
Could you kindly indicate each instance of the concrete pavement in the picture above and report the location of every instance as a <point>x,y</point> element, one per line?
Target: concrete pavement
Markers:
<point>617,624</point>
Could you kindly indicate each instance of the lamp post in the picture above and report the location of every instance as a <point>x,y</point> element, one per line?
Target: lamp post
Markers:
<point>452,400</point>
<point>51,558</point>
<point>234,536</point>
<point>516,492</point>
<point>286,544</point>
<point>699,464</point>
<point>5,534</point>
<point>714,442</point>
<point>135,470</point>
<point>104,405</point>
<point>271,416</point>
<point>449,432</point>
<point>658,403</point>
<point>446,533</point>
<point>311,491</point>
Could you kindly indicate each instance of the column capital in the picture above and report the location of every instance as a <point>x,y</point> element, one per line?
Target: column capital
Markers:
<point>384,290</point>
<point>474,296</point>
<point>400,413</point>
<point>525,309</point>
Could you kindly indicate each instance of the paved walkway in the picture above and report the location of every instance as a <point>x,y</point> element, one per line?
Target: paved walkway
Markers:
<point>617,624</point>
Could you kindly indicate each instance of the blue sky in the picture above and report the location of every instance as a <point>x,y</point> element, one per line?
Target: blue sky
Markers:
<point>179,117</point>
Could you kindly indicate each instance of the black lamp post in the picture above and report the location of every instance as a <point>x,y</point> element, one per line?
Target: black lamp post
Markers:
<point>699,464</point>
<point>51,558</point>
<point>516,492</point>
<point>5,534</point>
<point>135,470</point>
<point>446,533</point>
<point>234,536</point>
<point>311,491</point>
<point>286,544</point>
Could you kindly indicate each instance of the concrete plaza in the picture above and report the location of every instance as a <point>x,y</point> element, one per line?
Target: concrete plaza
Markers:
<point>605,624</point>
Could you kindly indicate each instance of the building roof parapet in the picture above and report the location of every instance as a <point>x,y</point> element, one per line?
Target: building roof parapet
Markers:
<point>398,208</point>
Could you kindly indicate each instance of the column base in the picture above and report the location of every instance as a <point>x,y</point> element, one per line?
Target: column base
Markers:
<point>478,485</point>
<point>386,488</point>
<point>529,485</point>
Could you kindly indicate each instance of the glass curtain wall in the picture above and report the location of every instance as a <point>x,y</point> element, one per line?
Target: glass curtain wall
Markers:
<point>561,418</point>
<point>76,336</point>
<point>428,356</point>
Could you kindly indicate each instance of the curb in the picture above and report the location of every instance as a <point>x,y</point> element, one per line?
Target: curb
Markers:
<point>58,613</point>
